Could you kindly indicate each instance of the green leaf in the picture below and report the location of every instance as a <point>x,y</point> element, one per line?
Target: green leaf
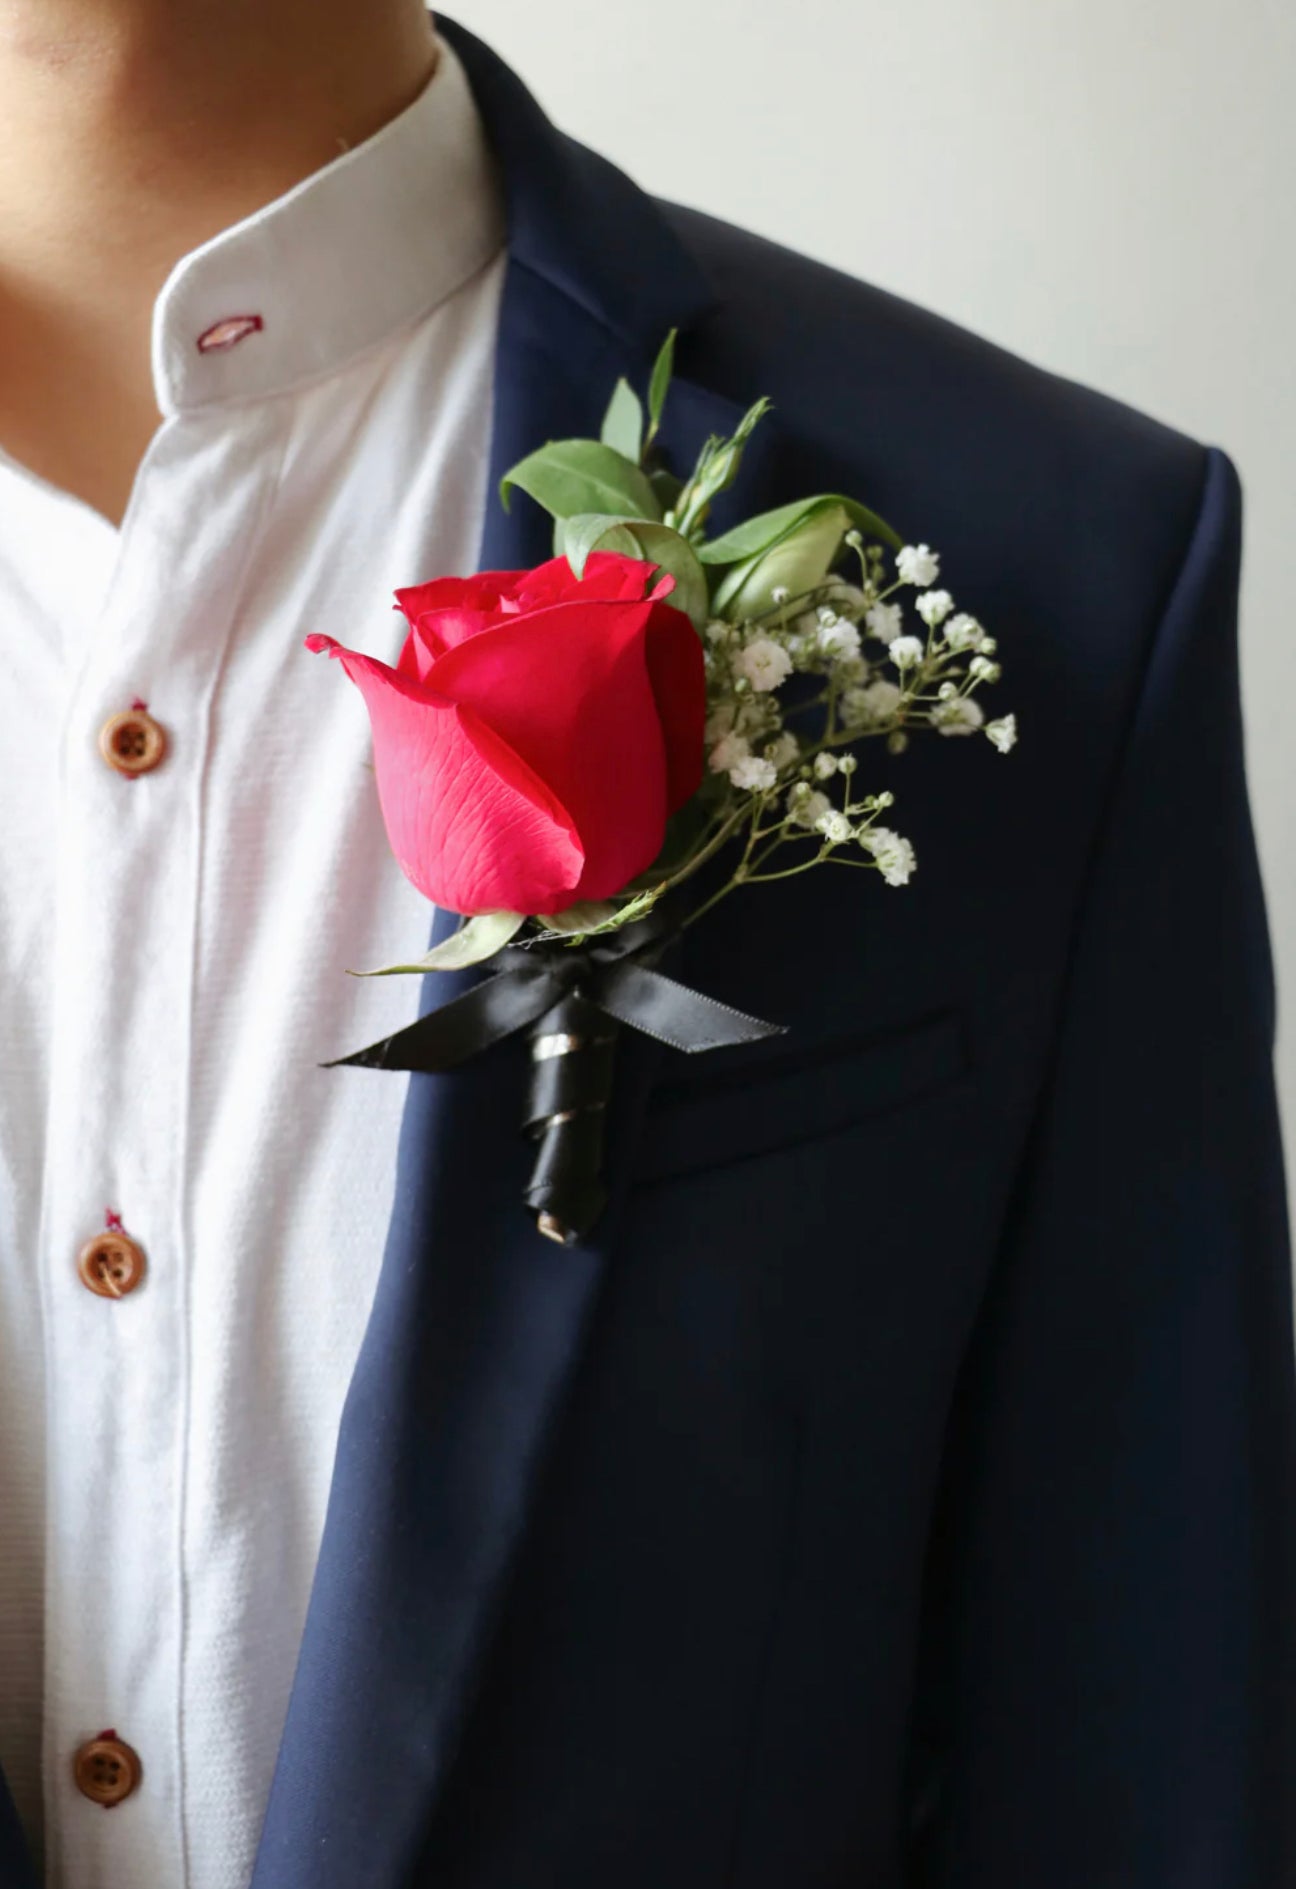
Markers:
<point>596,531</point>
<point>758,534</point>
<point>641,538</point>
<point>582,475</point>
<point>477,938</point>
<point>677,556</point>
<point>732,584</point>
<point>797,561</point>
<point>674,554</point>
<point>590,921</point>
<point>623,423</point>
<point>659,386</point>
<point>579,919</point>
<point>754,535</point>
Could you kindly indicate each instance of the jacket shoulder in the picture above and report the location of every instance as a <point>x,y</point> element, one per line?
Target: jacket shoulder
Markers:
<point>800,320</point>
<point>1029,480</point>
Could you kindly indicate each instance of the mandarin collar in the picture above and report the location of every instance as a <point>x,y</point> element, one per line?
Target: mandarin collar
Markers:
<point>340,263</point>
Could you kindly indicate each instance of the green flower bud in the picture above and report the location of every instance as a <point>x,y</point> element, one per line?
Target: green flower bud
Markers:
<point>799,562</point>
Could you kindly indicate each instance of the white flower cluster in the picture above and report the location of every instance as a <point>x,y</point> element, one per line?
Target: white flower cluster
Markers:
<point>763,664</point>
<point>893,853</point>
<point>920,676</point>
<point>811,810</point>
<point>790,691</point>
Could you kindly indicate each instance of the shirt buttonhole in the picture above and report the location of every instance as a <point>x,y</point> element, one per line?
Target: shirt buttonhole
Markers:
<point>228,332</point>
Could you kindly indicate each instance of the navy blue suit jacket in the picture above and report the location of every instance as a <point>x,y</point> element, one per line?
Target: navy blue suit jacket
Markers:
<point>898,1488</point>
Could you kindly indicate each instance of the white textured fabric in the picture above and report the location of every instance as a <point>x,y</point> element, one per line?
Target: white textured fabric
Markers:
<point>173,956</point>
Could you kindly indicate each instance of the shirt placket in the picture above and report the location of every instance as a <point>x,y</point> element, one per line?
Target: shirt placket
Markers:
<point>115,1232</point>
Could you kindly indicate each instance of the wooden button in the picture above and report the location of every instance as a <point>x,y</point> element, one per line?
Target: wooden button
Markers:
<point>112,1264</point>
<point>132,742</point>
<point>106,1770</point>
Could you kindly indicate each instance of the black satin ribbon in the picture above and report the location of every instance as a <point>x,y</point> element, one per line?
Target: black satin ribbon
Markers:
<point>617,974</point>
<point>572,999</point>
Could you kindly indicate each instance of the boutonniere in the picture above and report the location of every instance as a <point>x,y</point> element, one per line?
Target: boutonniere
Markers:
<point>583,759</point>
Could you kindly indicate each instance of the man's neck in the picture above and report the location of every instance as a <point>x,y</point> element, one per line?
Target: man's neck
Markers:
<point>135,130</point>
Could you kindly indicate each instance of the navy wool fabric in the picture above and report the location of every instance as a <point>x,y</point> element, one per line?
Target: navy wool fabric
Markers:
<point>898,1488</point>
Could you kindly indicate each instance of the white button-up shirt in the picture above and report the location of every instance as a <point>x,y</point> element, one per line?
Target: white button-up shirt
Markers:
<point>174,952</point>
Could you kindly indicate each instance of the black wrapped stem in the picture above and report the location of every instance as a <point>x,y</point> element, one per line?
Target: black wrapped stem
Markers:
<point>572,1051</point>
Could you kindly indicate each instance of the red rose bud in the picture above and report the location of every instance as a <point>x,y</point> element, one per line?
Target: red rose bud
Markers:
<point>536,734</point>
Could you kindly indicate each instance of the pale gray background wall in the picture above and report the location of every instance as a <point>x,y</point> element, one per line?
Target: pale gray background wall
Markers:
<point>1104,186</point>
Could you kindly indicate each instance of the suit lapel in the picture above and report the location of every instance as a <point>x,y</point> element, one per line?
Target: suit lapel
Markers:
<point>478,1322</point>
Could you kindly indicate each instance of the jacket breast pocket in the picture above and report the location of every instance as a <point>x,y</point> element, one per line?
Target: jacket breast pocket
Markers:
<point>787,1095</point>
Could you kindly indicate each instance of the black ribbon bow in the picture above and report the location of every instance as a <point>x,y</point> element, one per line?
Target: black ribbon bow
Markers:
<point>573,999</point>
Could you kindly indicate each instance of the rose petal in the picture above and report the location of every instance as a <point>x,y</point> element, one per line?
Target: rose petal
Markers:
<point>469,822</point>
<point>568,689</point>
<point>449,610</point>
<point>437,632</point>
<point>677,671</point>
<point>481,592</point>
<point>608,578</point>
